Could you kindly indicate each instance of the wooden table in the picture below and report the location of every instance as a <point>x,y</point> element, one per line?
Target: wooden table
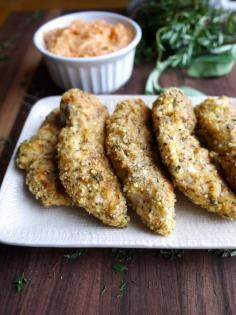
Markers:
<point>198,283</point>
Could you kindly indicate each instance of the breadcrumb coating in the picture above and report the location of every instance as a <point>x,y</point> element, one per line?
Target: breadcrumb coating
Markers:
<point>189,163</point>
<point>217,128</point>
<point>130,146</point>
<point>37,156</point>
<point>85,171</point>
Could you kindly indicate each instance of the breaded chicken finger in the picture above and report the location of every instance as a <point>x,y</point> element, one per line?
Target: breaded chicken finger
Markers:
<point>85,171</point>
<point>37,156</point>
<point>131,148</point>
<point>189,163</point>
<point>217,128</point>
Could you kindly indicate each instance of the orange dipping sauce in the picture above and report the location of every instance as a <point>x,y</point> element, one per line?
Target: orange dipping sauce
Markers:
<point>88,39</point>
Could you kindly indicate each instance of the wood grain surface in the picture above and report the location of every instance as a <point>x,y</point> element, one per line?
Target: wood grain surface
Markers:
<point>198,283</point>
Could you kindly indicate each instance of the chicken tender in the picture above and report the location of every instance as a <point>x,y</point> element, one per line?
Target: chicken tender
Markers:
<point>217,128</point>
<point>189,163</point>
<point>37,156</point>
<point>85,171</point>
<point>227,162</point>
<point>130,146</point>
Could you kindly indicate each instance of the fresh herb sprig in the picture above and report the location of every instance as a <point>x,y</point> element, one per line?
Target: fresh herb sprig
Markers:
<point>20,282</point>
<point>72,255</point>
<point>186,34</point>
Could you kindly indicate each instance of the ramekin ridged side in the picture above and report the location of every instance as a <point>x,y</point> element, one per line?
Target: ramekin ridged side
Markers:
<point>103,77</point>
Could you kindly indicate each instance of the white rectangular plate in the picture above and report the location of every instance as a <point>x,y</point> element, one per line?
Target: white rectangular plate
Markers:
<point>23,221</point>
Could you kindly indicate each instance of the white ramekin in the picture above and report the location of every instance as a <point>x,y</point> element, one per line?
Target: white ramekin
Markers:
<point>102,74</point>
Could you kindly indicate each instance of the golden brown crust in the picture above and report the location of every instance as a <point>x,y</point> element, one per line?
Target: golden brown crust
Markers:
<point>228,163</point>
<point>85,171</point>
<point>132,151</point>
<point>217,128</point>
<point>37,156</point>
<point>189,163</point>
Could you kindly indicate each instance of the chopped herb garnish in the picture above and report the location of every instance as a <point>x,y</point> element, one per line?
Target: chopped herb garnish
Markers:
<point>119,268</point>
<point>37,15</point>
<point>223,252</point>
<point>75,254</point>
<point>8,42</point>
<point>103,289</point>
<point>6,141</point>
<point>4,57</point>
<point>4,45</point>
<point>171,253</point>
<point>122,289</point>
<point>34,17</point>
<point>20,283</point>
<point>121,255</point>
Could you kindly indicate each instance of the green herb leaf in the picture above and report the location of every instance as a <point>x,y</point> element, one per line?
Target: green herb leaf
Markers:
<point>172,254</point>
<point>75,254</point>
<point>120,268</point>
<point>223,252</point>
<point>20,283</point>
<point>153,86</point>
<point>211,66</point>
